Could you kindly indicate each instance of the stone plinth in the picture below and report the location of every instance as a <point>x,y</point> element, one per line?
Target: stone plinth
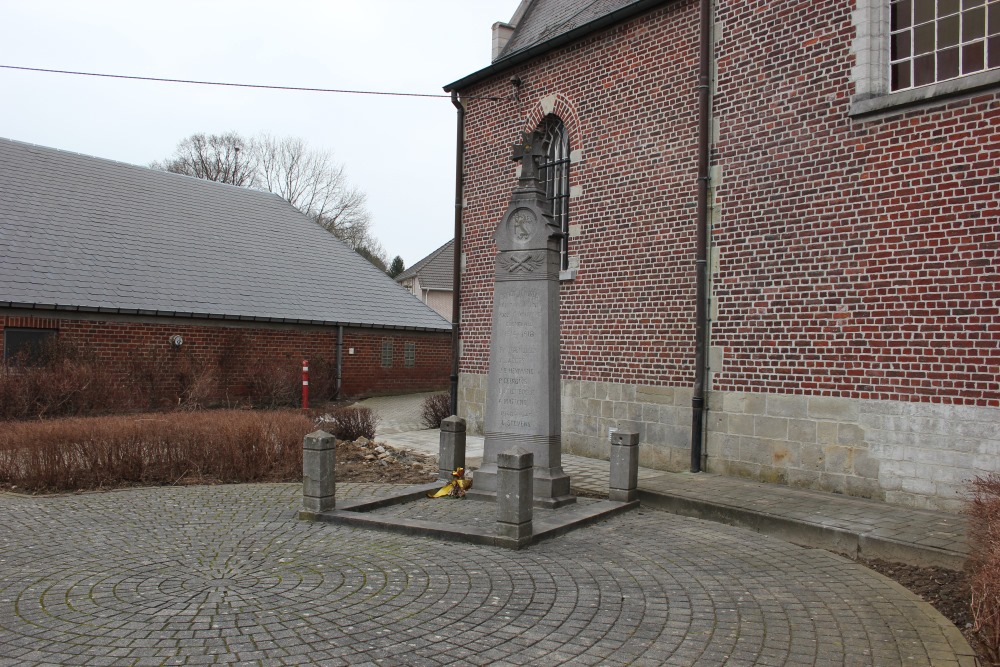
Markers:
<point>623,483</point>
<point>319,463</point>
<point>451,450</point>
<point>515,495</point>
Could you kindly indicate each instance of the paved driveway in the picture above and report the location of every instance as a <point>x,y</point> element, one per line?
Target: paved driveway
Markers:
<point>226,574</point>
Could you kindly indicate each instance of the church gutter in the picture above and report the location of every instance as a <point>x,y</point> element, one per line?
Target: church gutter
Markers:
<point>701,239</point>
<point>456,273</point>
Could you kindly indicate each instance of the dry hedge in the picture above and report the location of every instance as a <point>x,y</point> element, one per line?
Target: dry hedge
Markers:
<point>150,449</point>
<point>984,561</point>
<point>68,379</point>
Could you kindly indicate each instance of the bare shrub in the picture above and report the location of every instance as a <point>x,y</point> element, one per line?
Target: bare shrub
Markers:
<point>199,386</point>
<point>322,379</point>
<point>150,369</point>
<point>105,452</point>
<point>277,381</point>
<point>274,382</point>
<point>983,565</point>
<point>67,379</point>
<point>435,409</point>
<point>350,423</point>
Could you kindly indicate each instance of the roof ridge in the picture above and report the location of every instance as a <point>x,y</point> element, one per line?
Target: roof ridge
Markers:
<point>132,165</point>
<point>415,269</point>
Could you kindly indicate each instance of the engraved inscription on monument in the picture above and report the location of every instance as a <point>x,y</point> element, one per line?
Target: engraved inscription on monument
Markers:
<point>519,351</point>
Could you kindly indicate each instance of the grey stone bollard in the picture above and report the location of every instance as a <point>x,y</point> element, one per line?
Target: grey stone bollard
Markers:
<point>451,451</point>
<point>624,480</point>
<point>515,494</point>
<point>319,464</point>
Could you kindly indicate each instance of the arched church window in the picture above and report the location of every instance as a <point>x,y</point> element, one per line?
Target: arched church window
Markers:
<point>554,173</point>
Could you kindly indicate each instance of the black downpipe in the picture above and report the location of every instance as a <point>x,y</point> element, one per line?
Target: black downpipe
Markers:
<point>456,294</point>
<point>340,358</point>
<point>701,239</point>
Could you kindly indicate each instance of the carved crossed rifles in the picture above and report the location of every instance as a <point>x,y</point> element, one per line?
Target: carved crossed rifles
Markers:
<point>526,262</point>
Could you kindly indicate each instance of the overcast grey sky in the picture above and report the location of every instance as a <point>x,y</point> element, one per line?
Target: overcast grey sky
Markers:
<point>400,151</point>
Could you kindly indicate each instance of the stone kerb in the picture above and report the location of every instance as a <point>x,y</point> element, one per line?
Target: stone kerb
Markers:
<point>515,495</point>
<point>623,483</point>
<point>451,448</point>
<point>319,464</point>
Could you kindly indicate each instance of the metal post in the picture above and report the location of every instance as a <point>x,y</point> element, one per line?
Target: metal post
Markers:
<point>305,384</point>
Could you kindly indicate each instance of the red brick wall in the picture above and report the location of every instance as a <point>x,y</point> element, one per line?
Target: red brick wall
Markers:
<point>856,258</point>
<point>118,342</point>
<point>628,316</point>
<point>363,372</point>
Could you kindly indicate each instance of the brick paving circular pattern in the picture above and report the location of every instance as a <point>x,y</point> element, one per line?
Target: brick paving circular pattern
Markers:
<point>227,574</point>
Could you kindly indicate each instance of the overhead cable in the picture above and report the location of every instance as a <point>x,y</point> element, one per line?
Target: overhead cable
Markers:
<point>243,85</point>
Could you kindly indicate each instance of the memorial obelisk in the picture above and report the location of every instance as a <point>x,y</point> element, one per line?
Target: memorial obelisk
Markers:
<point>523,394</point>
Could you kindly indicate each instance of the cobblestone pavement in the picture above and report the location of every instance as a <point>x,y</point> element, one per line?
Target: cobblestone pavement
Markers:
<point>226,574</point>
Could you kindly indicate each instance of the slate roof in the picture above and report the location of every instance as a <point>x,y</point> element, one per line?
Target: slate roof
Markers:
<point>84,233</point>
<point>546,25</point>
<point>546,19</point>
<point>436,270</point>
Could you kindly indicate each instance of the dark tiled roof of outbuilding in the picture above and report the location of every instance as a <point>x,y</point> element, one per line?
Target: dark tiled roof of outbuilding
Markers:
<point>84,233</point>
<point>436,270</point>
<point>546,19</point>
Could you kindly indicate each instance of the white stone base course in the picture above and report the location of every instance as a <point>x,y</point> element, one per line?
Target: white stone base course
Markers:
<point>913,454</point>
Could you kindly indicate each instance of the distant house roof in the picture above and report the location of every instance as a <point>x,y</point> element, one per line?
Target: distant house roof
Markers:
<point>545,25</point>
<point>436,270</point>
<point>88,234</point>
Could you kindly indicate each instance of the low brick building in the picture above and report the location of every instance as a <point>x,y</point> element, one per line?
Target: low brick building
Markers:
<point>852,171</point>
<point>150,269</point>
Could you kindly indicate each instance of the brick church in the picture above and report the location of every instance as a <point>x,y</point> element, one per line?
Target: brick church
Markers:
<point>781,232</point>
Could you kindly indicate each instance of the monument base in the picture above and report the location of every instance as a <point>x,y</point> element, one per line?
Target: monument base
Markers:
<point>551,487</point>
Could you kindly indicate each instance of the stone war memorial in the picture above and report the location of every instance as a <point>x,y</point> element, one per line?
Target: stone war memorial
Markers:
<point>521,483</point>
<point>523,397</point>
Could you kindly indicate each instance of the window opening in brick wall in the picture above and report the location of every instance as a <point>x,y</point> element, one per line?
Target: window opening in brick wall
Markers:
<point>387,353</point>
<point>25,346</point>
<point>937,40</point>
<point>554,173</point>
<point>410,355</point>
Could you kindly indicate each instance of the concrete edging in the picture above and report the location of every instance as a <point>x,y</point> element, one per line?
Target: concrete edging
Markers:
<point>852,544</point>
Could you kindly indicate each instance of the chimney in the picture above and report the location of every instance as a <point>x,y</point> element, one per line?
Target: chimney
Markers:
<point>501,35</point>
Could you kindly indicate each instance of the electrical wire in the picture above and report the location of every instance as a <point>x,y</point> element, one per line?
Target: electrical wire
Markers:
<point>245,85</point>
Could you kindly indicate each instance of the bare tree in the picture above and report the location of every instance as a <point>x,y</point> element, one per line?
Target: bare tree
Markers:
<point>312,181</point>
<point>316,185</point>
<point>227,158</point>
